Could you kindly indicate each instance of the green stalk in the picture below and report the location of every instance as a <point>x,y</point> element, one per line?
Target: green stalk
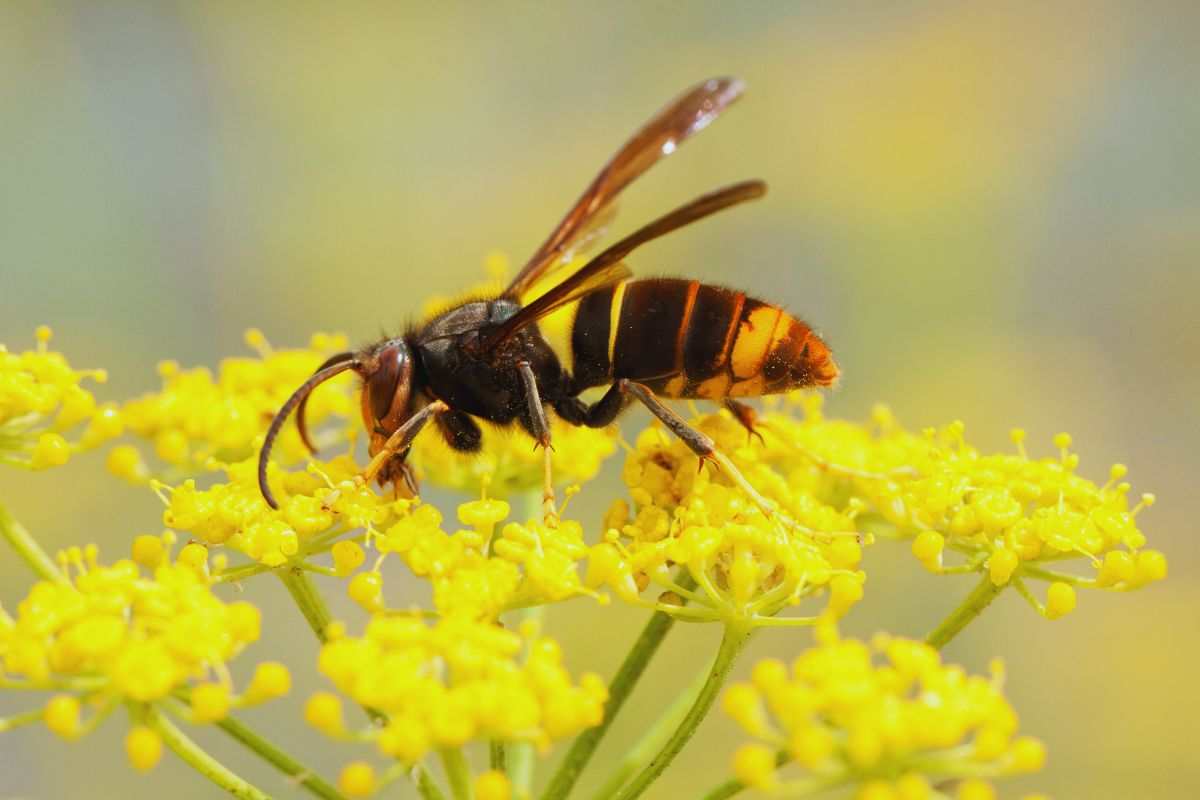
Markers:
<point>735,638</point>
<point>630,671</point>
<point>28,548</point>
<point>652,740</point>
<point>198,759</point>
<point>974,604</point>
<point>725,790</point>
<point>497,757</point>
<point>24,718</point>
<point>314,783</point>
<point>307,599</point>
<point>520,754</point>
<point>426,786</point>
<point>457,772</point>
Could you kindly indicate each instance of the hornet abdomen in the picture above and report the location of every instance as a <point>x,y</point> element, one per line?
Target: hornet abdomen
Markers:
<point>686,339</point>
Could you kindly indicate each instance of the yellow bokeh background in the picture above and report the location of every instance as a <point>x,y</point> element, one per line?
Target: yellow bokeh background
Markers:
<point>992,210</point>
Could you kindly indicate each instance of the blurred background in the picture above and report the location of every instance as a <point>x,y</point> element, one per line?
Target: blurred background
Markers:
<point>992,211</point>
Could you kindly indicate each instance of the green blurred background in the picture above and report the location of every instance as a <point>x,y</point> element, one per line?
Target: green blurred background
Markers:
<point>992,211</point>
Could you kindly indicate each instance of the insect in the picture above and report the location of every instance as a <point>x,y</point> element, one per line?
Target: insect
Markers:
<point>644,339</point>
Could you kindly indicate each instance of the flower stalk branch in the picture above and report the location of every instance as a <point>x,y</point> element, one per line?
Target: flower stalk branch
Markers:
<point>458,773</point>
<point>732,643</point>
<point>198,759</point>
<point>307,599</point>
<point>628,674</point>
<point>315,784</point>
<point>653,739</point>
<point>980,598</point>
<point>28,549</point>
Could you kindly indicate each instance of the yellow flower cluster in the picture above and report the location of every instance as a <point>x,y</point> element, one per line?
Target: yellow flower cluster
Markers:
<point>509,462</point>
<point>746,566</point>
<point>480,571</point>
<point>459,680</point>
<point>137,630</point>
<point>889,718</point>
<point>42,398</point>
<point>316,507</point>
<point>1007,514</point>
<point>197,417</point>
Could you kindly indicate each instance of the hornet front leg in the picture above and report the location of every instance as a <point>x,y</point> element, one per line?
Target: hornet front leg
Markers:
<point>539,426</point>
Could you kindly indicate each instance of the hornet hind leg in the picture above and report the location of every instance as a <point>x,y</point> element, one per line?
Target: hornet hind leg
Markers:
<point>606,409</point>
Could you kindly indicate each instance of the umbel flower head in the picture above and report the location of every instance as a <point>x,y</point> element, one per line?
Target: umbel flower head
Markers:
<point>42,400</point>
<point>486,568</point>
<point>745,565</point>
<point>316,507</point>
<point>137,631</point>
<point>1010,516</point>
<point>459,680</point>
<point>887,717</point>
<point>198,417</point>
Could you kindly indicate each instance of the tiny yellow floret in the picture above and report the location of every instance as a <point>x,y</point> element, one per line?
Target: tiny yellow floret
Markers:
<point>323,711</point>
<point>271,680</point>
<point>210,702</point>
<point>148,551</point>
<point>61,716</point>
<point>1060,600</point>
<point>143,748</point>
<point>493,785</point>
<point>357,779</point>
<point>754,765</point>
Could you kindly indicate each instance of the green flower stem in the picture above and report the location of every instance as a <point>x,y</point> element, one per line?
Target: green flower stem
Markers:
<point>735,638</point>
<point>520,754</point>
<point>627,676</point>
<point>426,786</point>
<point>497,757</point>
<point>458,773</point>
<point>652,740</point>
<point>28,548</point>
<point>979,599</point>
<point>312,605</point>
<point>307,599</point>
<point>314,783</point>
<point>198,759</point>
<point>24,718</point>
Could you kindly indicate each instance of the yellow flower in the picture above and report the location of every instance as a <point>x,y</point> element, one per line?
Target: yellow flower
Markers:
<point>746,566</point>
<point>42,398</point>
<point>460,680</point>
<point>316,507</point>
<point>197,417</point>
<point>509,462</point>
<point>143,746</point>
<point>1009,516</point>
<point>889,717</point>
<point>117,632</point>
<point>481,571</point>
